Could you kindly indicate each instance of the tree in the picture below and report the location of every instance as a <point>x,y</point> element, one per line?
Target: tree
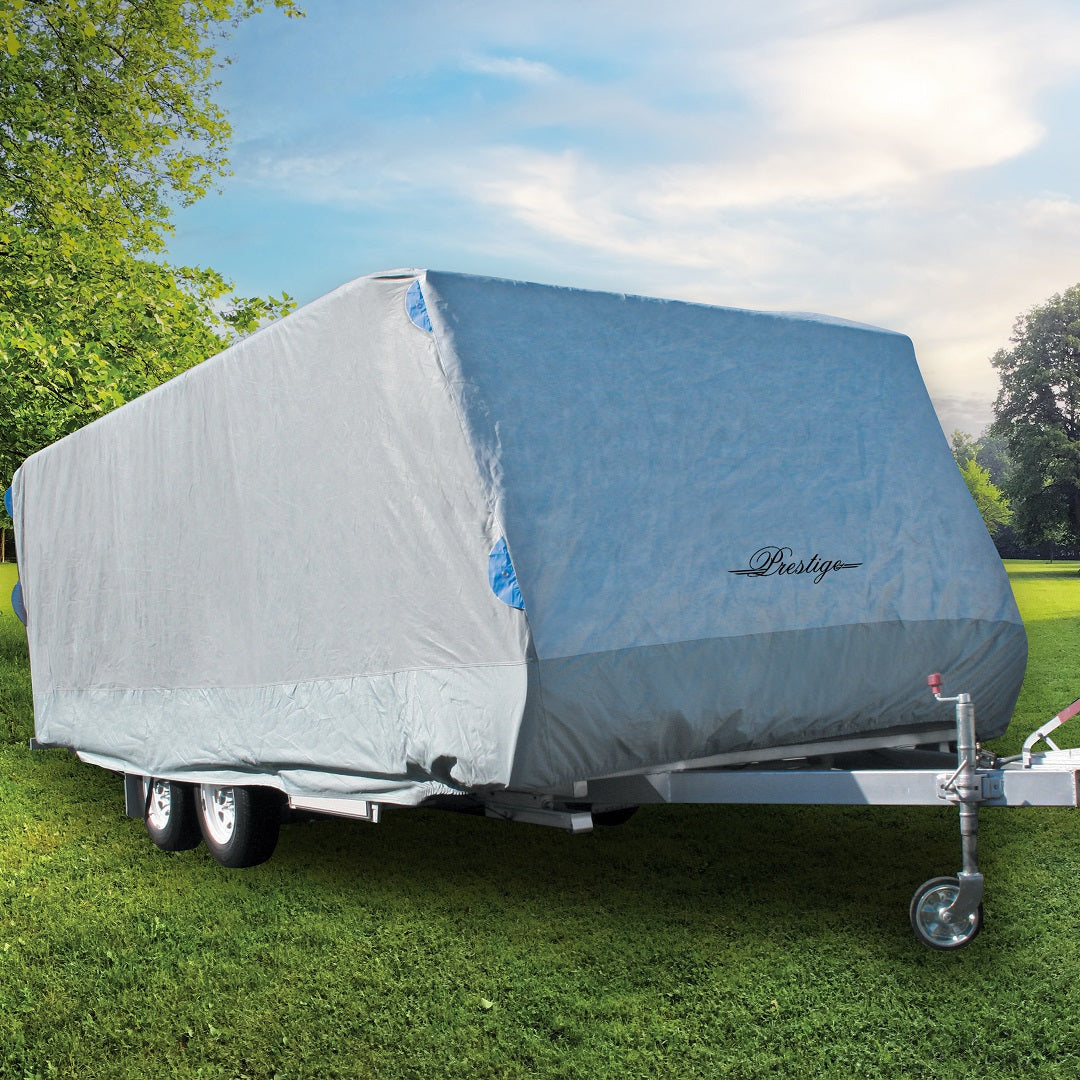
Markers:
<point>988,498</point>
<point>1038,413</point>
<point>990,501</point>
<point>86,326</point>
<point>108,110</point>
<point>964,447</point>
<point>107,121</point>
<point>993,455</point>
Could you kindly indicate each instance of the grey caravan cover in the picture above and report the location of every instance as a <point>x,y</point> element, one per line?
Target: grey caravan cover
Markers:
<point>443,532</point>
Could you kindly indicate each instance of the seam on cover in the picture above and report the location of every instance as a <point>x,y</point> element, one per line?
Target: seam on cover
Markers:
<point>773,633</point>
<point>292,682</point>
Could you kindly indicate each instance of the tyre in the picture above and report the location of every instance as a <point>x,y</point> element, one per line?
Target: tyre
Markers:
<point>930,921</point>
<point>239,824</point>
<point>170,815</point>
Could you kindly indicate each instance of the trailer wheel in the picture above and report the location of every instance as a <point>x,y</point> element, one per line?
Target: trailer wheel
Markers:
<point>170,815</point>
<point>239,824</point>
<point>928,906</point>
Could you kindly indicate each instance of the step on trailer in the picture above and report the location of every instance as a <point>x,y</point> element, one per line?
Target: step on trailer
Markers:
<point>550,554</point>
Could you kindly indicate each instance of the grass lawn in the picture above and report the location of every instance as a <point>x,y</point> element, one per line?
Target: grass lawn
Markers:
<point>692,942</point>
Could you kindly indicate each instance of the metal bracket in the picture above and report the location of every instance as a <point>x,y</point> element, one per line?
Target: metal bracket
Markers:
<point>357,809</point>
<point>968,898</point>
<point>135,794</point>
<point>1044,732</point>
<point>985,788</point>
<point>37,744</point>
<point>537,810</point>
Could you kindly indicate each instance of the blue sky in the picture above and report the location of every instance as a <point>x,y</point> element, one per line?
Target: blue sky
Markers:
<point>908,164</point>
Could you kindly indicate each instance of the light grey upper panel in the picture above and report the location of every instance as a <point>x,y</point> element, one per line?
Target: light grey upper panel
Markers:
<point>303,506</point>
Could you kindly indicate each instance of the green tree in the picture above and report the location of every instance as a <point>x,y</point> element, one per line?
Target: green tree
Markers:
<point>107,121</point>
<point>990,501</point>
<point>1038,413</point>
<point>964,447</point>
<point>993,455</point>
<point>988,498</point>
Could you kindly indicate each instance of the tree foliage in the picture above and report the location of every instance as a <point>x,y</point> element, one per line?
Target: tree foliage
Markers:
<point>85,326</point>
<point>992,454</point>
<point>107,122</point>
<point>990,501</point>
<point>988,497</point>
<point>1038,413</point>
<point>964,447</point>
<point>108,111</point>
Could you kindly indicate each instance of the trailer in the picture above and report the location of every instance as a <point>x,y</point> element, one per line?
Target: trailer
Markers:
<point>551,555</point>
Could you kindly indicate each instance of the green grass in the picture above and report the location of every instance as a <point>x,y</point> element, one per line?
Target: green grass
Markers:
<point>708,942</point>
<point>1048,595</point>
<point>9,574</point>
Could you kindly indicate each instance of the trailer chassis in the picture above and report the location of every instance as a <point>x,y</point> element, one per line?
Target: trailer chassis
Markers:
<point>945,912</point>
<point>238,818</point>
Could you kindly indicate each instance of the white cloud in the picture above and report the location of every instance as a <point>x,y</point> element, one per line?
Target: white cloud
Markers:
<point>570,199</point>
<point>869,111</point>
<point>518,68</point>
<point>879,108</point>
<point>944,90</point>
<point>865,110</point>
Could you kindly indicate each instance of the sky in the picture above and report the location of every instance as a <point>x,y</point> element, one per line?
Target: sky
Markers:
<point>912,165</point>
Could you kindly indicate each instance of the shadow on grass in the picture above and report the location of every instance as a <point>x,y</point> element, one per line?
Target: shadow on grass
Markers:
<point>779,870</point>
<point>784,872</point>
<point>1043,571</point>
<point>737,886</point>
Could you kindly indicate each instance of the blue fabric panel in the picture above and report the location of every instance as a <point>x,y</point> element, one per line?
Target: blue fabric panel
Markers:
<point>17,603</point>
<point>16,594</point>
<point>501,574</point>
<point>415,306</point>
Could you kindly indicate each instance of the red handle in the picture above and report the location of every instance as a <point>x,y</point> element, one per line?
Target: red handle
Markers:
<point>1069,713</point>
<point>934,682</point>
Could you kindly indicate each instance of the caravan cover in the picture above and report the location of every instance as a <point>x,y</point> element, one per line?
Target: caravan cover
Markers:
<point>437,532</point>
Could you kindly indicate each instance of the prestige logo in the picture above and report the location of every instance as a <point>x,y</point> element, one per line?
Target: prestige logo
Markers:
<point>779,562</point>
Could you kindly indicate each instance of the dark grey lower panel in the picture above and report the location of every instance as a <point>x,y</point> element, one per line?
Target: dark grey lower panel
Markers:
<point>645,707</point>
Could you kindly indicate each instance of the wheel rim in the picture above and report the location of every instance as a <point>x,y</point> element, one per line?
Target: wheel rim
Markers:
<point>218,812</point>
<point>159,808</point>
<point>930,917</point>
